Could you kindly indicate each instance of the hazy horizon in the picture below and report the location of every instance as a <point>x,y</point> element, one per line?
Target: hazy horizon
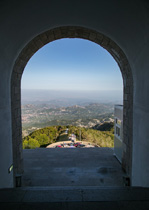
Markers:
<point>72,71</point>
<point>73,96</point>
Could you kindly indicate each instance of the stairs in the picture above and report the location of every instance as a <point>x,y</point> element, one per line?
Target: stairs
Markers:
<point>75,198</point>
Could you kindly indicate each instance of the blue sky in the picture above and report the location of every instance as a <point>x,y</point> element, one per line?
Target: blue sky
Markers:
<point>72,64</point>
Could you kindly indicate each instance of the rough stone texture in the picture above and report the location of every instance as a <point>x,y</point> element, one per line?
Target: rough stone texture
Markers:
<point>72,32</point>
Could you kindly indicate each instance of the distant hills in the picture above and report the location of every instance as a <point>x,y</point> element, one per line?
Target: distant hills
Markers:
<point>35,116</point>
<point>88,109</point>
<point>70,98</point>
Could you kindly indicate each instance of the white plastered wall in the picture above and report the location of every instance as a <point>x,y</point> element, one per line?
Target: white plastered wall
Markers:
<point>125,22</point>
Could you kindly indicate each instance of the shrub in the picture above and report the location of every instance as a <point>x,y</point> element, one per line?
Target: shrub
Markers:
<point>31,144</point>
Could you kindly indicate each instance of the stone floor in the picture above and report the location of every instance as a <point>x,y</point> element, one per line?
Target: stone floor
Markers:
<point>71,167</point>
<point>73,179</point>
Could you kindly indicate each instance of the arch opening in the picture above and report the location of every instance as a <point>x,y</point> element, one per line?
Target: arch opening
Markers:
<point>70,32</point>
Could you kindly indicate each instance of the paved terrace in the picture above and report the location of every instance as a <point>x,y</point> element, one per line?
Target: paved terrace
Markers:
<point>75,179</point>
<point>71,167</point>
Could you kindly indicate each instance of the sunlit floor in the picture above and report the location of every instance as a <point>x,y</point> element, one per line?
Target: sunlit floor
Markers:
<point>71,167</point>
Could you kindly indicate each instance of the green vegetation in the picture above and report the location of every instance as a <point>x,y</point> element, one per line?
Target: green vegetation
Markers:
<point>107,126</point>
<point>30,143</point>
<point>62,137</point>
<point>42,137</point>
<point>49,135</point>
<point>100,138</point>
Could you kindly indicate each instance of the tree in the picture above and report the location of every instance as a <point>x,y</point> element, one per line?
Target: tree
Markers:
<point>33,143</point>
<point>30,144</point>
<point>42,139</point>
<point>25,144</point>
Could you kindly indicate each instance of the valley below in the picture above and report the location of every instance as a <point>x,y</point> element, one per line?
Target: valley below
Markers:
<point>88,115</point>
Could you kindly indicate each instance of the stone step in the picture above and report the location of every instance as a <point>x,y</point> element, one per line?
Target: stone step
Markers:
<point>75,198</point>
<point>74,194</point>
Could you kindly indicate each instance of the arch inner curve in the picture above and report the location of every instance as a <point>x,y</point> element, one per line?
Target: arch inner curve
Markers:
<point>71,32</point>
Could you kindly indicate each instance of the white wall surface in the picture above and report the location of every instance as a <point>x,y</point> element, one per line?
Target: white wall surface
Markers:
<point>125,22</point>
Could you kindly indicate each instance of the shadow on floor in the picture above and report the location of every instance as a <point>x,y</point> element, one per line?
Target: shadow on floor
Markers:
<point>71,167</point>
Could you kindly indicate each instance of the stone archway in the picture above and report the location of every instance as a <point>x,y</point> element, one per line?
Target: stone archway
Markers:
<point>71,32</point>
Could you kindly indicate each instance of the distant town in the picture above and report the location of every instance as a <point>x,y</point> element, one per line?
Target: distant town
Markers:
<point>89,115</point>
